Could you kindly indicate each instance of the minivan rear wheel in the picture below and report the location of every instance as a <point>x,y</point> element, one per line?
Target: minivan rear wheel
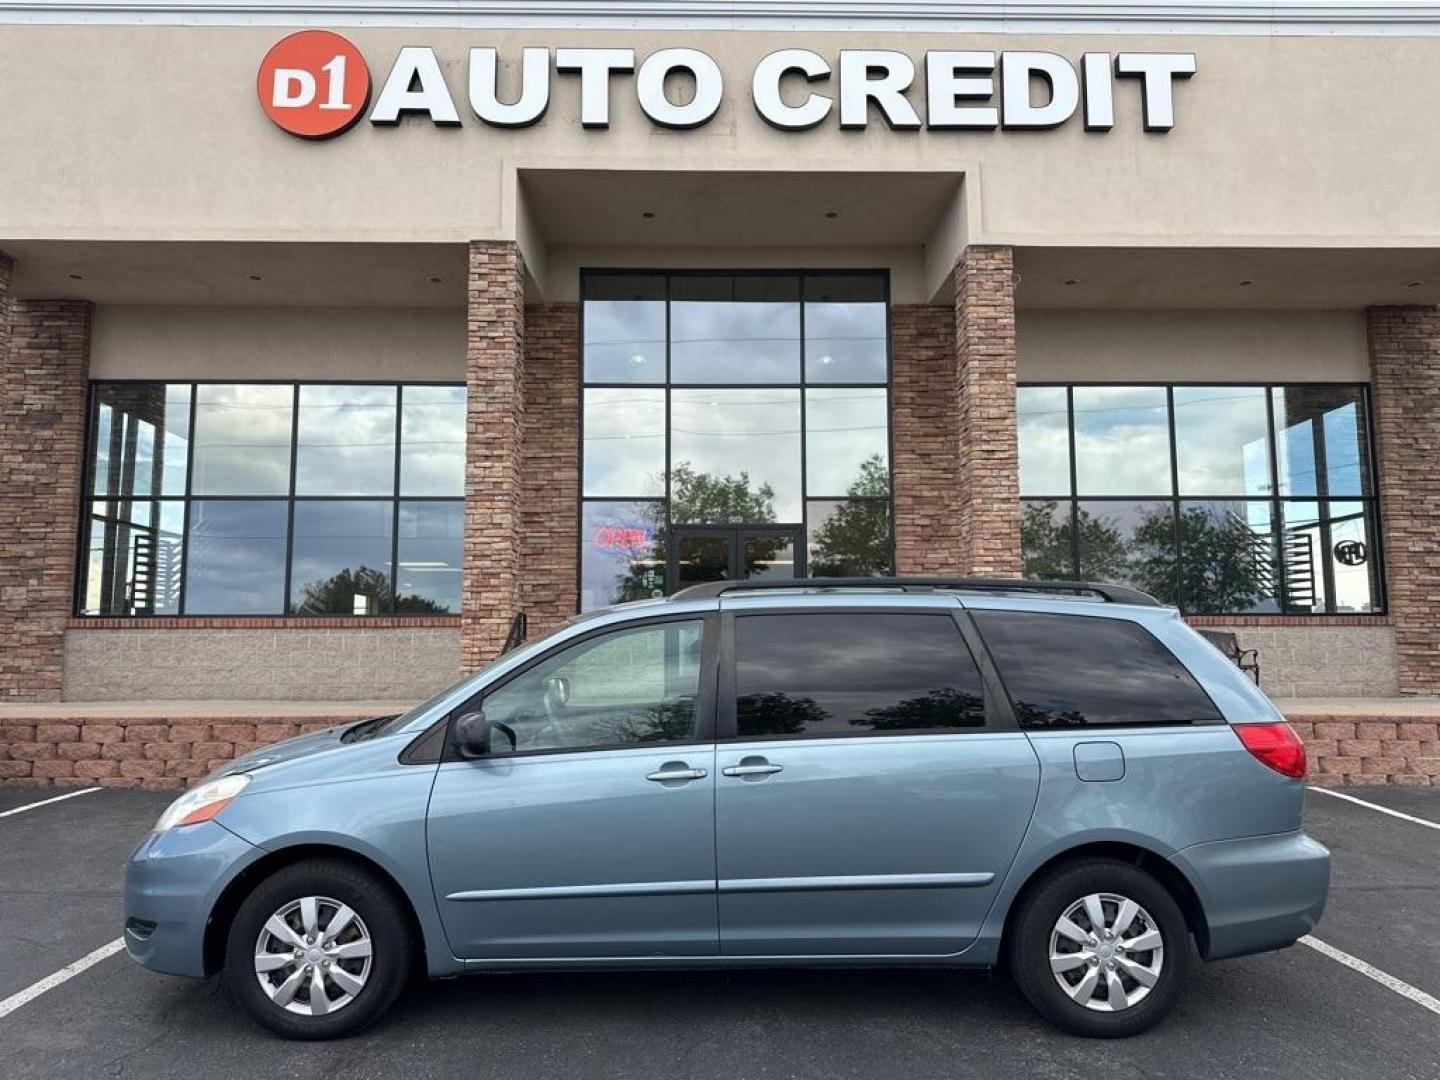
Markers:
<point>318,950</point>
<point>1100,948</point>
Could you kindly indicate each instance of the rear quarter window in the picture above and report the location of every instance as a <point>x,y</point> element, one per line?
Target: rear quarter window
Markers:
<point>1084,671</point>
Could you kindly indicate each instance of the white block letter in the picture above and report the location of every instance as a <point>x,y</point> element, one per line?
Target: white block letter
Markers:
<point>294,88</point>
<point>953,77</point>
<point>1016,71</point>
<point>881,76</point>
<point>650,88</point>
<point>415,65</point>
<point>766,89</point>
<point>595,66</point>
<point>534,88</point>
<point>1099,91</point>
<point>1159,70</point>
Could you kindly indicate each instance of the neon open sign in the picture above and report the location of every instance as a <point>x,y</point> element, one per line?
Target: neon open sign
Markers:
<point>621,537</point>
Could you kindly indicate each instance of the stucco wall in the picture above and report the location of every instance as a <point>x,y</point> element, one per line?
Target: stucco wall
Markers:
<point>1130,346</point>
<point>151,342</point>
<point>392,664</point>
<point>158,135</point>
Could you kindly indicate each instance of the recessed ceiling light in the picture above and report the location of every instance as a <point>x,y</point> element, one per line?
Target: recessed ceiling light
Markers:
<point>832,214</point>
<point>1245,283</point>
<point>255,277</point>
<point>647,214</point>
<point>1071,281</point>
<point>81,277</point>
<point>1408,284</point>
<point>436,279</point>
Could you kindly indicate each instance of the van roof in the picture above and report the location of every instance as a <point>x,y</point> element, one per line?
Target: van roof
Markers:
<point>1091,591</point>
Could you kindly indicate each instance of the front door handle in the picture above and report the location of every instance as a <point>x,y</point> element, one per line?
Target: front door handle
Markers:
<point>676,772</point>
<point>752,766</point>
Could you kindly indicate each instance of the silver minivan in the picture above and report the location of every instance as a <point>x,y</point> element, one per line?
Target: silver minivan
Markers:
<point>1058,777</point>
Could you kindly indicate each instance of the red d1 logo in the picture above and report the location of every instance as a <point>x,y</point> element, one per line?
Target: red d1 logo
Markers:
<point>314,84</point>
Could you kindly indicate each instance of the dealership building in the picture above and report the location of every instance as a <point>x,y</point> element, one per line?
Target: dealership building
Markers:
<point>334,336</point>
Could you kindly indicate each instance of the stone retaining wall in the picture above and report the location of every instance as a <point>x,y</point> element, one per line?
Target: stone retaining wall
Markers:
<point>173,751</point>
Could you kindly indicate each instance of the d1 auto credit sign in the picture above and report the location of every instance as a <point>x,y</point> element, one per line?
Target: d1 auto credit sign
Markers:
<point>314,84</point>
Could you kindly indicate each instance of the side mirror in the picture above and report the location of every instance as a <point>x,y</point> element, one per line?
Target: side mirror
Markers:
<point>473,734</point>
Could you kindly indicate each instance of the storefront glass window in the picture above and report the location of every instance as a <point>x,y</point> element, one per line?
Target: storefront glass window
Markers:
<point>763,449</point>
<point>624,442</point>
<point>345,440</point>
<point>846,329</point>
<point>428,549</point>
<point>1174,494</point>
<point>290,505</point>
<point>243,435</point>
<point>1122,440</point>
<point>624,323</point>
<point>432,441</point>
<point>622,552</point>
<point>235,558</point>
<point>735,456</point>
<point>1222,440</point>
<point>340,564</point>
<point>735,329</point>
<point>1043,414</point>
<point>847,442</point>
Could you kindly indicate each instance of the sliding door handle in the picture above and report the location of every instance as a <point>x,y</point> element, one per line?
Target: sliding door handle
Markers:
<point>752,766</point>
<point>676,773</point>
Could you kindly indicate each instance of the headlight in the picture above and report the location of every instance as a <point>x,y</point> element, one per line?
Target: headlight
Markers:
<point>202,803</point>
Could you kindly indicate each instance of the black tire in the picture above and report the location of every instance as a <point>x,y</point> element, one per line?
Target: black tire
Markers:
<point>1036,919</point>
<point>377,907</point>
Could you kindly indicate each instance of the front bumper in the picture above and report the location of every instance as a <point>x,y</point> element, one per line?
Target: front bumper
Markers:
<point>171,884</point>
<point>1260,892</point>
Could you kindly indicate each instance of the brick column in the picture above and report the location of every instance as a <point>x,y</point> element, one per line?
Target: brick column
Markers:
<point>44,364</point>
<point>494,427</point>
<point>989,460</point>
<point>1405,385</point>
<point>924,413</point>
<point>551,467</point>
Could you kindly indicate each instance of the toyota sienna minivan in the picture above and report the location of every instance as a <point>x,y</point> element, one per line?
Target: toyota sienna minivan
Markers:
<point>1058,777</point>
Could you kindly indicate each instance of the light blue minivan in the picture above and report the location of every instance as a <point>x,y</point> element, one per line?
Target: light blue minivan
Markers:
<point>1060,777</point>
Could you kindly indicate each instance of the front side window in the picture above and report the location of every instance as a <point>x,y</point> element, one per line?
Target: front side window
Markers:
<point>840,674</point>
<point>273,499</point>
<point>1218,499</point>
<point>632,687</point>
<point>1082,671</point>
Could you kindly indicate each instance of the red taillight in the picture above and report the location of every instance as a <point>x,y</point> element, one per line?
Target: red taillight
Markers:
<point>1275,745</point>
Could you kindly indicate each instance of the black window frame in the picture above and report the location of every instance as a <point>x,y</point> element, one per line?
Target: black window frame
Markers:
<point>667,385</point>
<point>999,712</point>
<point>1176,725</point>
<point>704,703</point>
<point>1276,501</point>
<point>88,497</point>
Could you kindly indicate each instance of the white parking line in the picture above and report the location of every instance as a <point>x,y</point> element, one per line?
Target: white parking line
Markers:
<point>69,971</point>
<point>47,802</point>
<point>1376,806</point>
<point>1404,989</point>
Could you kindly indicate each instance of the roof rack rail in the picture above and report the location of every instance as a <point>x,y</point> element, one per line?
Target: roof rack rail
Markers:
<point>1113,594</point>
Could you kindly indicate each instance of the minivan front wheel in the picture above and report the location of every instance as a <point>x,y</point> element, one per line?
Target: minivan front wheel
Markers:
<point>318,950</point>
<point>1100,948</point>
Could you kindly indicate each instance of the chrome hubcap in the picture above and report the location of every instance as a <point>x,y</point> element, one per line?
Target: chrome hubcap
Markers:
<point>1106,952</point>
<point>313,956</point>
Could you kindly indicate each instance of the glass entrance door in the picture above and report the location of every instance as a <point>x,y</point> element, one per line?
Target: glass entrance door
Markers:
<point>734,553</point>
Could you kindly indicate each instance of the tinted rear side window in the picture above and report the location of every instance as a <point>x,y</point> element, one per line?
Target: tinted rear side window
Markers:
<point>1080,671</point>
<point>853,674</point>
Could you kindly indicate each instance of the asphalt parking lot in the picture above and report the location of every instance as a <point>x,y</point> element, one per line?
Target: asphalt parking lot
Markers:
<point>1298,1013</point>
